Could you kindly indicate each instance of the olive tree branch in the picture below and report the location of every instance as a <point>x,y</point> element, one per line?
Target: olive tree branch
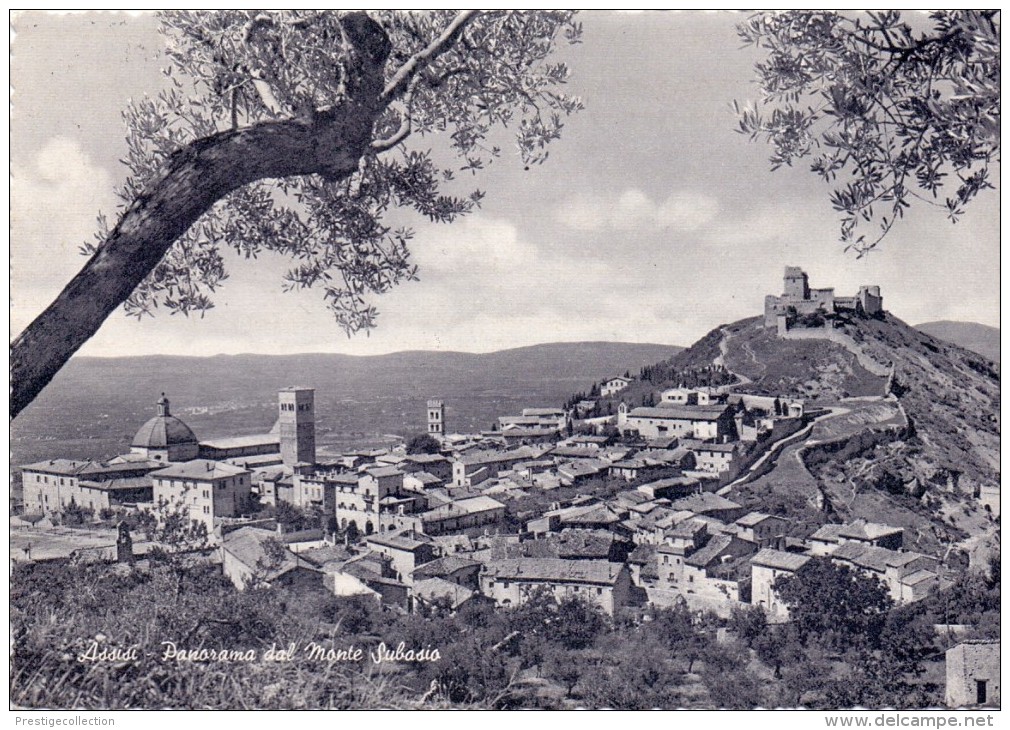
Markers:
<point>397,85</point>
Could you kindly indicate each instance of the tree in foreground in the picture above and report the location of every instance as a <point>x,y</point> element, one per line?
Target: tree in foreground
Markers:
<point>287,133</point>
<point>835,607</point>
<point>886,113</point>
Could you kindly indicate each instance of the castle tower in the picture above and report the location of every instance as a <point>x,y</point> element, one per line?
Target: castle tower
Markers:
<point>297,423</point>
<point>795,285</point>
<point>436,418</point>
<point>870,300</point>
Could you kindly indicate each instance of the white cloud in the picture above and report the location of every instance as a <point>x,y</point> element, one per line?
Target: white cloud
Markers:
<point>474,245</point>
<point>635,210</point>
<point>54,203</point>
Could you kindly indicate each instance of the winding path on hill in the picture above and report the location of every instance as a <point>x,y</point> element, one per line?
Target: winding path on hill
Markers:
<point>721,360</point>
<point>801,439</point>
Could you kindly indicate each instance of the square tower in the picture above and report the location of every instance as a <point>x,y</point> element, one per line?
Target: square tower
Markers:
<point>436,418</point>
<point>795,285</point>
<point>297,425</point>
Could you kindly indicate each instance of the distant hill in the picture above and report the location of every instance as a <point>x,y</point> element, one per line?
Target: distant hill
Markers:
<point>972,336</point>
<point>95,405</point>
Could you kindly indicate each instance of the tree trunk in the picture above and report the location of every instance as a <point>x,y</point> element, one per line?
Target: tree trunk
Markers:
<point>329,143</point>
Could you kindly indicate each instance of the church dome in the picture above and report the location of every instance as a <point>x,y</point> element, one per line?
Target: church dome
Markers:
<point>164,430</point>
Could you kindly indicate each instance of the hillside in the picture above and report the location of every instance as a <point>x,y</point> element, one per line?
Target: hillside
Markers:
<point>95,405</point>
<point>914,435</point>
<point>972,336</point>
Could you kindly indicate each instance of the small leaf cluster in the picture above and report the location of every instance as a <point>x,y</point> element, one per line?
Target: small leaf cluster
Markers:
<point>885,114</point>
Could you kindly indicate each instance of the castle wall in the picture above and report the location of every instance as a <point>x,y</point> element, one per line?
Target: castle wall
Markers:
<point>799,299</point>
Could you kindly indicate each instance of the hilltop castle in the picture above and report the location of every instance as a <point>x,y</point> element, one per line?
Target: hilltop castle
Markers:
<point>798,299</point>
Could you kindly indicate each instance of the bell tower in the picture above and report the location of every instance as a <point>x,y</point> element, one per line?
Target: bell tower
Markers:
<point>297,425</point>
<point>436,418</point>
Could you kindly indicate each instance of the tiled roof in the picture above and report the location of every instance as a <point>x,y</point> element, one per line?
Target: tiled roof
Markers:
<point>751,519</point>
<point>425,478</point>
<point>642,554</point>
<point>919,576</point>
<point>238,442</point>
<point>715,448</point>
<point>112,485</point>
<point>597,572</point>
<point>432,589</point>
<point>582,543</point>
<point>445,566</point>
<point>671,482</point>
<point>779,560</point>
<point>65,467</point>
<point>704,502</point>
<point>461,507</point>
<point>199,469</point>
<point>681,413</point>
<point>246,545</point>
<point>703,557</point>
<point>425,458</point>
<point>593,514</point>
<point>400,541</point>
<point>827,533</point>
<point>688,529</point>
<point>875,558</point>
<point>320,556</point>
<point>383,471</point>
<point>867,530</point>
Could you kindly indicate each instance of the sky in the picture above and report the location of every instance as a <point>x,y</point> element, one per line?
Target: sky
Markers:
<point>653,220</point>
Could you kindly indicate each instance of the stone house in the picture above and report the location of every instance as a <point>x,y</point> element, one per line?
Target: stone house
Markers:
<point>463,514</point>
<point>246,558</point>
<point>908,576</point>
<point>203,489</point>
<point>705,423</point>
<point>761,528</point>
<point>50,486</point>
<point>511,582</point>
<point>614,385</point>
<point>406,551</point>
<point>828,538</point>
<point>766,568</point>
<point>973,674</point>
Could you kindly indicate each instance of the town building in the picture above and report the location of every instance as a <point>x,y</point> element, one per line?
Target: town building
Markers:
<point>767,567</point>
<point>614,385</point>
<point>908,576</point>
<point>463,514</point>
<point>511,582</point>
<point>407,550</point>
<point>762,529</point>
<point>202,490</point>
<point>251,556</point>
<point>827,538</point>
<point>705,423</point>
<point>544,419</point>
<point>973,674</point>
<point>477,466</point>
<point>53,485</point>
